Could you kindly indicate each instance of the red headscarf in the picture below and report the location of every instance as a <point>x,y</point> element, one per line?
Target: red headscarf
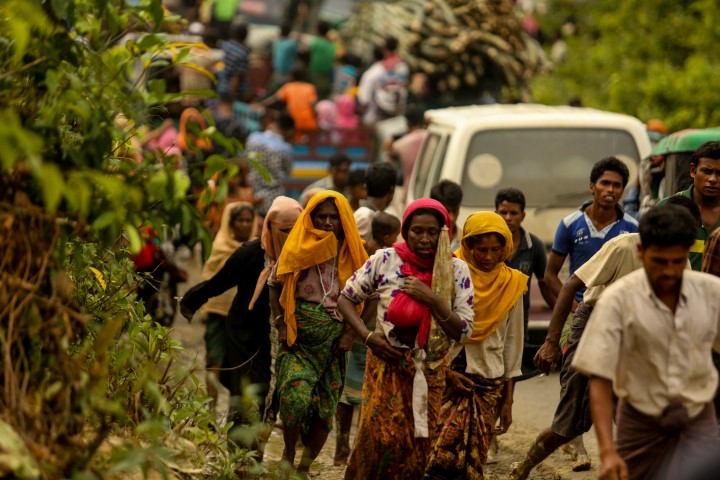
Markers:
<point>403,310</point>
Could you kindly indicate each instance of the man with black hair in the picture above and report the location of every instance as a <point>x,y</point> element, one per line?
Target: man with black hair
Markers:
<point>232,79</point>
<point>649,342</point>
<point>705,192</point>
<point>337,178</point>
<point>528,256</point>
<point>450,194</point>
<point>380,184</point>
<point>579,235</point>
<point>272,149</point>
<point>356,189</point>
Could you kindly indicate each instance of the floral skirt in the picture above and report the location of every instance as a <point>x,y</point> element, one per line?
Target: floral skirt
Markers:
<point>466,425</point>
<point>309,375</point>
<point>385,446</point>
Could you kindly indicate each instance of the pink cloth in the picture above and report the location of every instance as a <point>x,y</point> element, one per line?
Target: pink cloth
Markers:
<point>346,119</point>
<point>326,111</point>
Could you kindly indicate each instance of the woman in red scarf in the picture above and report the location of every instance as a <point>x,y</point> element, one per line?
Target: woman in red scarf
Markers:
<point>403,381</point>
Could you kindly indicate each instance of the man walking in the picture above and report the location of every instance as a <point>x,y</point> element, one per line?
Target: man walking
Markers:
<point>649,341</point>
<point>579,235</point>
<point>705,192</point>
<point>528,256</point>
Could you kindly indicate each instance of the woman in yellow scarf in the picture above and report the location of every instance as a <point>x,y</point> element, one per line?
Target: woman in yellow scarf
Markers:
<point>480,378</point>
<point>322,251</point>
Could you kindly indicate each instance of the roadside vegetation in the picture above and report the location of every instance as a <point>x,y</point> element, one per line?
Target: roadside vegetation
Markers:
<point>90,387</point>
<point>650,59</point>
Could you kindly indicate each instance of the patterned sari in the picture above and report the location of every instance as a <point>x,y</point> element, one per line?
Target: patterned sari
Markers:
<point>392,453</point>
<point>469,419</point>
<point>309,374</point>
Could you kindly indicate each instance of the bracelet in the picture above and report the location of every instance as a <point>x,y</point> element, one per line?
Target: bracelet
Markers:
<point>279,316</point>
<point>446,318</point>
<point>368,337</point>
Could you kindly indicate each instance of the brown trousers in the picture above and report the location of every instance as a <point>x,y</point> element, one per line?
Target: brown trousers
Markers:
<point>669,447</point>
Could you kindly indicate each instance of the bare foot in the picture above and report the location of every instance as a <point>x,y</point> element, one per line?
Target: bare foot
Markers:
<point>569,449</point>
<point>518,472</point>
<point>583,463</point>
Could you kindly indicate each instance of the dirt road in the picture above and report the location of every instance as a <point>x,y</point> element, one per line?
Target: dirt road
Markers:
<point>534,405</point>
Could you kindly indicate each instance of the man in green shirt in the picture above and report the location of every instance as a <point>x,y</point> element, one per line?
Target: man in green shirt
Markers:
<point>322,58</point>
<point>705,192</point>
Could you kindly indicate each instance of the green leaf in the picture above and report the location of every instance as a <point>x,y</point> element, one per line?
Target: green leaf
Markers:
<point>104,220</point>
<point>65,10</point>
<point>150,41</point>
<point>182,184</point>
<point>52,183</point>
<point>133,236</point>
<point>214,164</point>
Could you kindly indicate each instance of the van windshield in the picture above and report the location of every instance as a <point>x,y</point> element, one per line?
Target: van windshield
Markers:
<point>550,165</point>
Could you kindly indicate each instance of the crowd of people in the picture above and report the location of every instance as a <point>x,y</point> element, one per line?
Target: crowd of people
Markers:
<point>343,304</point>
<point>349,299</point>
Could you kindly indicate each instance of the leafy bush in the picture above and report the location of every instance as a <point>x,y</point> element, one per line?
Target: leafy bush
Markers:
<point>90,387</point>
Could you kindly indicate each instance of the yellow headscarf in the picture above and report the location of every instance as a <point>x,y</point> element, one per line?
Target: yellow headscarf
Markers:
<point>307,246</point>
<point>496,292</point>
<point>223,246</point>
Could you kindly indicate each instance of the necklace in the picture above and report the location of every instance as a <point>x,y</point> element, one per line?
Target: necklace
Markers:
<point>325,291</point>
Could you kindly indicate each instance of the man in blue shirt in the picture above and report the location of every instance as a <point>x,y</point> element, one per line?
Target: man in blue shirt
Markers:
<point>579,235</point>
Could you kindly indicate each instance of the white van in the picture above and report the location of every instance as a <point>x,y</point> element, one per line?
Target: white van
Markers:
<point>547,152</point>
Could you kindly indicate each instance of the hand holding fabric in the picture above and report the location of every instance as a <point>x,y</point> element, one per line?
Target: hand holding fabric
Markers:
<point>382,348</point>
<point>417,290</point>
<point>546,357</point>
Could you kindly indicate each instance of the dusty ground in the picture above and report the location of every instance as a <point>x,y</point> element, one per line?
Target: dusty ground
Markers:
<point>534,405</point>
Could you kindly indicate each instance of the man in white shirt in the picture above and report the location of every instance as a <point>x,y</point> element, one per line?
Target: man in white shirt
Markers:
<point>649,341</point>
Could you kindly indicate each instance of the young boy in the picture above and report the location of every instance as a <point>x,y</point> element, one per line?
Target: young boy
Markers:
<point>385,230</point>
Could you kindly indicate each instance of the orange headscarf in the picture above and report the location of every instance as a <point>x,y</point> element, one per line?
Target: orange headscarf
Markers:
<point>496,292</point>
<point>307,246</point>
<point>188,140</point>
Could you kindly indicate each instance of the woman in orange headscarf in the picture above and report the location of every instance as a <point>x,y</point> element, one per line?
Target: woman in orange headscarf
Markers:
<point>480,378</point>
<point>322,251</point>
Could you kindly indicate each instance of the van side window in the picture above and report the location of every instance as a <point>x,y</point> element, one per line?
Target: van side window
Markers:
<point>425,157</point>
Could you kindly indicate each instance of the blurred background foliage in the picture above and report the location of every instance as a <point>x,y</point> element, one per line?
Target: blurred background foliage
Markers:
<point>650,59</point>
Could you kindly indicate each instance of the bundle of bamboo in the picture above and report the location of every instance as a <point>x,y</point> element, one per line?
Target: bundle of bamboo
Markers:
<point>464,45</point>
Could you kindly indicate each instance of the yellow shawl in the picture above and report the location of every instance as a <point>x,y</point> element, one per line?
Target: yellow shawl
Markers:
<point>307,246</point>
<point>496,292</point>
<point>223,246</point>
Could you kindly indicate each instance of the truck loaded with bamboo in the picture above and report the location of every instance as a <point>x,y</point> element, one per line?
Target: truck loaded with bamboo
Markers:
<point>465,47</point>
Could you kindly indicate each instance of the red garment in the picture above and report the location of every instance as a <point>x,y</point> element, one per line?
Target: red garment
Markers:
<point>405,311</point>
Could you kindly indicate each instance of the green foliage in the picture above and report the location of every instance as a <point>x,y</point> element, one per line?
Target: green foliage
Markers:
<point>69,101</point>
<point>650,59</point>
<point>94,387</point>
